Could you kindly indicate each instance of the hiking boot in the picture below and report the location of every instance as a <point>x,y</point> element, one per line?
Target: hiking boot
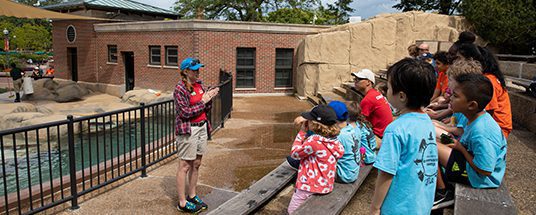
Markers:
<point>443,198</point>
<point>189,207</point>
<point>196,200</point>
<point>17,98</point>
<point>293,163</point>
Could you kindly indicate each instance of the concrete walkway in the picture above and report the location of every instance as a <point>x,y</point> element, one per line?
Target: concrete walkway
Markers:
<point>254,141</point>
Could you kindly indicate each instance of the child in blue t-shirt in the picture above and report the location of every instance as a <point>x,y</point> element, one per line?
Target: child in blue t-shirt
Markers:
<point>368,139</point>
<point>348,165</point>
<point>407,159</point>
<point>478,159</point>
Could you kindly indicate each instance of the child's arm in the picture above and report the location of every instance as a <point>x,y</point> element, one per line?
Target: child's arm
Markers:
<point>302,147</point>
<point>383,182</point>
<point>458,146</point>
<point>437,92</point>
<point>450,129</point>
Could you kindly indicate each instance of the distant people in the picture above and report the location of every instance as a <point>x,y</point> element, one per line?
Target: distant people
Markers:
<point>16,75</point>
<point>317,148</point>
<point>373,106</point>
<point>423,49</point>
<point>413,51</point>
<point>442,64</point>
<point>407,160</point>
<point>479,158</point>
<point>192,102</point>
<point>348,165</point>
<point>50,71</point>
<point>36,73</point>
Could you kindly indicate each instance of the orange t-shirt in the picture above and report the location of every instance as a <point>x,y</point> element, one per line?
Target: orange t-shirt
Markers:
<point>500,105</point>
<point>442,82</point>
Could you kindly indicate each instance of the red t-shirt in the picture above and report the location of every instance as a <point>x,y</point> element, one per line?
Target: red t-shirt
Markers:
<point>376,109</point>
<point>442,82</point>
<point>195,97</point>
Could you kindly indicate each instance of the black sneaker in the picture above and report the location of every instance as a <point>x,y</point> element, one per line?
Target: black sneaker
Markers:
<point>189,207</point>
<point>443,198</point>
<point>293,163</point>
<point>196,200</point>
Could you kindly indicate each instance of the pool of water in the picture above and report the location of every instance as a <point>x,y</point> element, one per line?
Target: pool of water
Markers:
<point>48,160</point>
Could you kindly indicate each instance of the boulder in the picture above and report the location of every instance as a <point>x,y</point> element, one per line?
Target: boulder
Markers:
<point>14,120</point>
<point>136,97</point>
<point>71,92</point>
<point>16,108</point>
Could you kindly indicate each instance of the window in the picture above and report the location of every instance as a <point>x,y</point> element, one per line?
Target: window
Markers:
<point>154,55</point>
<point>172,58</point>
<point>245,68</point>
<point>283,67</point>
<point>112,53</point>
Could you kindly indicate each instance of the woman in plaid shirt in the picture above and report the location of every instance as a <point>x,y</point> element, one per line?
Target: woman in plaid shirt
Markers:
<point>191,127</point>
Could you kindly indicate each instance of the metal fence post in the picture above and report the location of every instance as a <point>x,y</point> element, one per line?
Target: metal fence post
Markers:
<point>72,163</point>
<point>142,133</point>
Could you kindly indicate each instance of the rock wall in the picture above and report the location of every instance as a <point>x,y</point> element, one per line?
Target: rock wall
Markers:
<point>326,59</point>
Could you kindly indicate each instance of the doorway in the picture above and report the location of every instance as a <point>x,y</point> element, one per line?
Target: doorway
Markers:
<point>128,59</point>
<point>72,63</point>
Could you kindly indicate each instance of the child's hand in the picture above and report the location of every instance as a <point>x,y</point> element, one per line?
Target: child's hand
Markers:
<point>299,122</point>
<point>456,145</point>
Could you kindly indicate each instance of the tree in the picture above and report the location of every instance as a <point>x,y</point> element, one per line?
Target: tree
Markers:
<point>447,7</point>
<point>41,2</point>
<point>291,11</point>
<point>509,25</point>
<point>31,37</point>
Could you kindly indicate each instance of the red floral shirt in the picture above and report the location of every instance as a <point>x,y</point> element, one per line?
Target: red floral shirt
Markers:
<point>318,159</point>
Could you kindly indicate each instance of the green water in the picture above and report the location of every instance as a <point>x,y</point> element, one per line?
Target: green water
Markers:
<point>116,141</point>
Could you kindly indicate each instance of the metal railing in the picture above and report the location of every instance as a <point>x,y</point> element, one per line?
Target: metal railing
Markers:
<point>49,164</point>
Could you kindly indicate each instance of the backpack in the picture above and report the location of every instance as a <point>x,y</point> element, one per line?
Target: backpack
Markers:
<point>368,140</point>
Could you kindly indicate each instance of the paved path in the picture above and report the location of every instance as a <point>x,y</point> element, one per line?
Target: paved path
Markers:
<point>254,141</point>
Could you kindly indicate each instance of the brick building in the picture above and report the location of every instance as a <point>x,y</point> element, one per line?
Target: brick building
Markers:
<point>261,56</point>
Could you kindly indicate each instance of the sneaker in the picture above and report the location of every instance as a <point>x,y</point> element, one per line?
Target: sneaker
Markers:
<point>293,163</point>
<point>189,207</point>
<point>443,198</point>
<point>196,200</point>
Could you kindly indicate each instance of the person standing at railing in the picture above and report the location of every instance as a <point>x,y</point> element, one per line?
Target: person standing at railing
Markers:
<point>192,103</point>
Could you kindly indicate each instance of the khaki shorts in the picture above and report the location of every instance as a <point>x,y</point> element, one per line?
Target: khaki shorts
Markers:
<point>17,85</point>
<point>189,146</point>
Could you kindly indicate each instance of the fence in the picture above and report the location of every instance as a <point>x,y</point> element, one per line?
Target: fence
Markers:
<point>53,163</point>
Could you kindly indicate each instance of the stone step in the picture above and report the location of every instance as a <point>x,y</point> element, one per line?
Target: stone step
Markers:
<point>340,91</point>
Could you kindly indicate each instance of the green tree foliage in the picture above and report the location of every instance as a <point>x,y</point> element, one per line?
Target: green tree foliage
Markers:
<point>510,25</point>
<point>447,7</point>
<point>27,34</point>
<point>282,11</point>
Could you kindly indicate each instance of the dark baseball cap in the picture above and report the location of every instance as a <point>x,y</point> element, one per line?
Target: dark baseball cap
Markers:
<point>321,113</point>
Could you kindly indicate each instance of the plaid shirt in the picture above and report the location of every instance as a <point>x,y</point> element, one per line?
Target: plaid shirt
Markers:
<point>184,112</point>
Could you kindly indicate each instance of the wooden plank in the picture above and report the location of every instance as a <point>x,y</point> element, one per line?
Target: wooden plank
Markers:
<point>257,194</point>
<point>483,201</point>
<point>336,201</point>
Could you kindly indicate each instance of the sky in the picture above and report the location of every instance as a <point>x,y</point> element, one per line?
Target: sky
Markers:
<point>363,8</point>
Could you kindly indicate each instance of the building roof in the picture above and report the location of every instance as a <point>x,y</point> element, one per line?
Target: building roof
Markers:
<point>9,8</point>
<point>111,4</point>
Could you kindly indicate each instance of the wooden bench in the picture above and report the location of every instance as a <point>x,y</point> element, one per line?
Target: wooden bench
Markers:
<point>259,193</point>
<point>336,201</point>
<point>468,200</point>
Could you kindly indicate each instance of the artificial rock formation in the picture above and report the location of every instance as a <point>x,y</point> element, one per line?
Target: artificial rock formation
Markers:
<point>325,60</point>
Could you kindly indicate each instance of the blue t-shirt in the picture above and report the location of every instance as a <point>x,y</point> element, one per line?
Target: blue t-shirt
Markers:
<point>348,165</point>
<point>409,153</point>
<point>368,141</point>
<point>484,139</point>
<point>460,120</point>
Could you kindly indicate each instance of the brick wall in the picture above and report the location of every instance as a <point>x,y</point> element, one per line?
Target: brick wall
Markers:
<point>85,44</point>
<point>215,49</point>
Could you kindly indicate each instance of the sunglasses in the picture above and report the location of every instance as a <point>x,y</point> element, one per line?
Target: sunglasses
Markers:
<point>194,62</point>
<point>356,79</point>
<point>423,49</point>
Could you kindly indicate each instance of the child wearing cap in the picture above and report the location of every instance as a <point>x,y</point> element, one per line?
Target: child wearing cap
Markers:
<point>478,159</point>
<point>374,106</point>
<point>348,164</point>
<point>318,153</point>
<point>407,160</point>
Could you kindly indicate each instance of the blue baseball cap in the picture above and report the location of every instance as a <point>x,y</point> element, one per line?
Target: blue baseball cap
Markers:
<point>340,109</point>
<point>191,64</point>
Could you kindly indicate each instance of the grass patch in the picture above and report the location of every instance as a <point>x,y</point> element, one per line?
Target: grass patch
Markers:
<point>3,90</point>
